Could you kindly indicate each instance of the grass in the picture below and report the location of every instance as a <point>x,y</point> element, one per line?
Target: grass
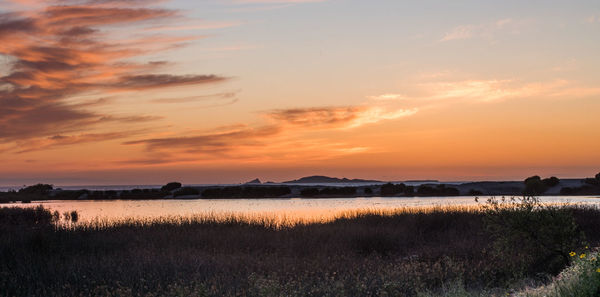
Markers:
<point>581,279</point>
<point>404,252</point>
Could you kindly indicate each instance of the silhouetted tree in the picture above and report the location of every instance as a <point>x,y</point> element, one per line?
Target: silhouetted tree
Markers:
<point>170,186</point>
<point>390,189</point>
<point>551,181</point>
<point>39,189</point>
<point>186,191</point>
<point>309,192</point>
<point>534,186</point>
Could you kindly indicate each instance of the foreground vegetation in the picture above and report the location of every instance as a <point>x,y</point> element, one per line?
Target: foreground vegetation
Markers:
<point>406,252</point>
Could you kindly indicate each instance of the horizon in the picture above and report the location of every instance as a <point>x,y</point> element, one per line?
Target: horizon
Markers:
<point>225,91</point>
<point>4,186</point>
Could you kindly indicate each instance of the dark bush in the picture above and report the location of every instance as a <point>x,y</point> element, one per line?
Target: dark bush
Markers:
<point>39,189</point>
<point>186,191</point>
<point>390,189</point>
<point>368,191</point>
<point>529,237</point>
<point>338,191</point>
<point>439,190</point>
<point>473,192</point>
<point>309,192</point>
<point>551,181</point>
<point>171,186</point>
<point>534,186</point>
<point>29,217</point>
<point>247,192</point>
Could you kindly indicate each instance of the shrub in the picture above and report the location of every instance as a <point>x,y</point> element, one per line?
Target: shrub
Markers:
<point>186,191</point>
<point>30,217</point>
<point>309,192</point>
<point>529,237</point>
<point>551,181</point>
<point>338,191</point>
<point>534,186</point>
<point>170,186</point>
<point>390,189</point>
<point>39,189</point>
<point>473,192</point>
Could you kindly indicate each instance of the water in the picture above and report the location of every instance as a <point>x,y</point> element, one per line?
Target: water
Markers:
<point>294,209</point>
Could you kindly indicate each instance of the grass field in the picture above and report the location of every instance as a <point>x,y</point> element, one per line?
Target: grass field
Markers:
<point>405,252</point>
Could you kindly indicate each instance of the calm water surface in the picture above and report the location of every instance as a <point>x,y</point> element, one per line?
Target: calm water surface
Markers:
<point>295,209</point>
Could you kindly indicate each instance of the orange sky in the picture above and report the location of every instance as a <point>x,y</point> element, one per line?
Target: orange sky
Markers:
<point>223,91</point>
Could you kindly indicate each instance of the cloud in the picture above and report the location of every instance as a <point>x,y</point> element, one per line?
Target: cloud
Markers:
<point>150,81</point>
<point>486,31</point>
<point>496,90</point>
<point>58,51</point>
<point>592,19</point>
<point>231,96</point>
<point>219,142</point>
<point>336,117</point>
<point>196,25</point>
<point>387,97</point>
<point>489,90</point>
<point>280,137</point>
<point>65,140</point>
<point>277,1</point>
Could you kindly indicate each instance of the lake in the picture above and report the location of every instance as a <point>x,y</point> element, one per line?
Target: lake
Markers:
<point>291,209</point>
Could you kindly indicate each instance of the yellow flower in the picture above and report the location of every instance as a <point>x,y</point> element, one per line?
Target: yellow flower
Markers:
<point>582,256</point>
<point>572,254</point>
<point>598,270</point>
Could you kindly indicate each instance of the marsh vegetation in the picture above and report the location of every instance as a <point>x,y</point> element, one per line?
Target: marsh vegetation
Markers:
<point>402,252</point>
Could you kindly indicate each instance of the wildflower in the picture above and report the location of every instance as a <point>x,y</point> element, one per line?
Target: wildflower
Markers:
<point>582,256</point>
<point>572,254</point>
<point>598,270</point>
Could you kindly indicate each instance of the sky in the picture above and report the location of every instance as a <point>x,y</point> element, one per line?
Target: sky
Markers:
<point>225,91</point>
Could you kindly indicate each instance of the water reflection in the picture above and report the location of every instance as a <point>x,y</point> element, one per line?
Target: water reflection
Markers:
<point>289,210</point>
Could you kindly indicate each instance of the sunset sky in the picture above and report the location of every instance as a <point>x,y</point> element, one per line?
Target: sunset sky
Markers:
<point>224,91</point>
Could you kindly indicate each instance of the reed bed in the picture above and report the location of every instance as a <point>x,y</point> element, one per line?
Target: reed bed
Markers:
<point>370,252</point>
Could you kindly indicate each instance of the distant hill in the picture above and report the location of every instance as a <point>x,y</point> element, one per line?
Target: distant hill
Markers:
<point>254,181</point>
<point>319,179</point>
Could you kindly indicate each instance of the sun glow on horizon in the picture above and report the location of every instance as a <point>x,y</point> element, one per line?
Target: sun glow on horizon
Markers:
<point>225,91</point>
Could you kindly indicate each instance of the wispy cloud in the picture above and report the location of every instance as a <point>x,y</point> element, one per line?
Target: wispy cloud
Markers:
<point>277,1</point>
<point>387,97</point>
<point>592,19</point>
<point>336,117</point>
<point>278,137</point>
<point>59,50</point>
<point>485,31</point>
<point>493,90</point>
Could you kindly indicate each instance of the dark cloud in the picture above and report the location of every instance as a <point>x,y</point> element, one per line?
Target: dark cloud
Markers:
<point>65,50</point>
<point>141,82</point>
<point>316,116</point>
<point>220,96</point>
<point>211,143</point>
<point>65,140</point>
<point>12,23</point>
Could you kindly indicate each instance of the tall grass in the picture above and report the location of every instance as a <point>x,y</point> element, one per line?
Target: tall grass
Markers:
<point>401,252</point>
